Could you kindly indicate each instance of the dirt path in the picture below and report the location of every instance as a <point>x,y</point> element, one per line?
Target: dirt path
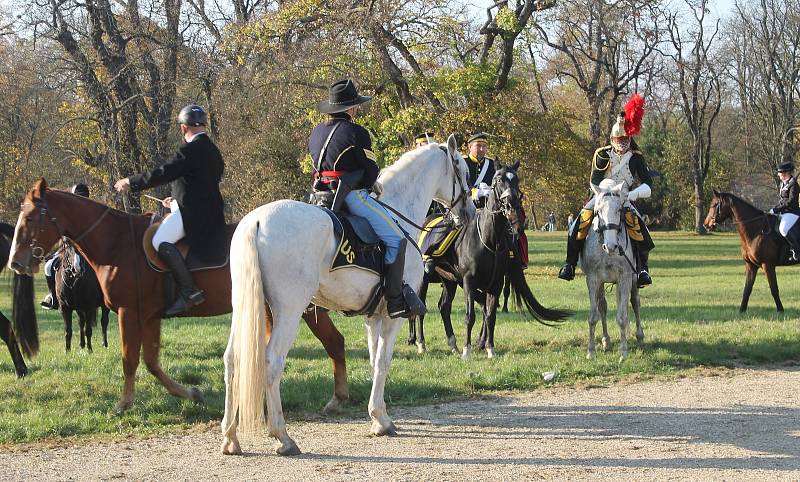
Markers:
<point>744,424</point>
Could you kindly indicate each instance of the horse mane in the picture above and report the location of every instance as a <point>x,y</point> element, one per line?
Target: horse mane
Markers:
<point>738,200</point>
<point>113,211</point>
<point>7,230</point>
<point>389,172</point>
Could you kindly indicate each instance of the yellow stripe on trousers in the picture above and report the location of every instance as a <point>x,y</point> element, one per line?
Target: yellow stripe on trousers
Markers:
<point>382,214</point>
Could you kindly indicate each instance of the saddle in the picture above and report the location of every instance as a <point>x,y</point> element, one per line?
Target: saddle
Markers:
<point>193,264</point>
<point>359,246</point>
<point>438,236</point>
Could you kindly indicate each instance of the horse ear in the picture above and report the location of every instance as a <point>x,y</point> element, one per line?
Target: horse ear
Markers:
<point>39,187</point>
<point>595,189</point>
<point>452,145</point>
<point>619,186</point>
<point>515,166</point>
<point>716,193</point>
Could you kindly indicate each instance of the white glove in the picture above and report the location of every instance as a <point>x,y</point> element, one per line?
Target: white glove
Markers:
<point>482,190</point>
<point>641,192</point>
<point>772,211</point>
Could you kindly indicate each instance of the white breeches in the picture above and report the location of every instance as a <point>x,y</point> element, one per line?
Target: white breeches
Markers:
<point>171,228</point>
<point>787,221</point>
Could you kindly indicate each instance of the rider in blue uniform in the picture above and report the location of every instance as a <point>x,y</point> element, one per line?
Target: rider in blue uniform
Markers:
<point>341,151</point>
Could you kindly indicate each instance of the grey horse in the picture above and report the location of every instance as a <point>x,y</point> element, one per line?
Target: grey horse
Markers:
<point>607,257</point>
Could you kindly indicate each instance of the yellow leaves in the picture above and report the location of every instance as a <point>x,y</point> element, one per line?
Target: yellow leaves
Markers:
<point>507,20</point>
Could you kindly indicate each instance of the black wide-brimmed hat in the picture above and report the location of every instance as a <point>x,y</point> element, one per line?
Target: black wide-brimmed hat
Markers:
<point>342,96</point>
<point>786,167</point>
<point>424,137</point>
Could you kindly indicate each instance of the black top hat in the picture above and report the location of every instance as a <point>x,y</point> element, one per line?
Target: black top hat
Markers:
<point>478,136</point>
<point>786,167</point>
<point>424,137</point>
<point>341,96</point>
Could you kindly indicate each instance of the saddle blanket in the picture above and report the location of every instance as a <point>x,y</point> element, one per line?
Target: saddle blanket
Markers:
<point>437,237</point>
<point>359,247</point>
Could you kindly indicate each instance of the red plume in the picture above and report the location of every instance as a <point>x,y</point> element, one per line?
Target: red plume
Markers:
<point>634,113</point>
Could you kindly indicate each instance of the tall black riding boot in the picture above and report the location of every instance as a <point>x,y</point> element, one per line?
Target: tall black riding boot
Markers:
<point>188,294</point>
<point>50,302</point>
<point>574,247</point>
<point>644,275</point>
<point>401,300</point>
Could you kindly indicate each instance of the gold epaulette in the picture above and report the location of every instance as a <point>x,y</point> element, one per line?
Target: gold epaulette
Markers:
<point>594,158</point>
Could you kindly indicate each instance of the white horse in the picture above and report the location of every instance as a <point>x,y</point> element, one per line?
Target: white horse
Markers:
<point>608,257</point>
<point>281,253</point>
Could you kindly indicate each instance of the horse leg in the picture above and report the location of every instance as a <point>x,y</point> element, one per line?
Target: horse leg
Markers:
<point>131,336</point>
<point>104,313</point>
<point>420,342</point>
<point>636,305</point>
<point>151,346</point>
<point>750,271</point>
<point>445,309</point>
<point>89,320</point>
<point>470,316</point>
<point>506,291</point>
<point>323,328</point>
<point>595,295</point>
<point>623,297</point>
<point>7,334</point>
<point>230,442</point>
<point>769,270</point>
<point>66,314</point>
<point>284,331</point>
<point>490,316</point>
<point>602,306</point>
<point>381,423</point>
<point>372,340</point>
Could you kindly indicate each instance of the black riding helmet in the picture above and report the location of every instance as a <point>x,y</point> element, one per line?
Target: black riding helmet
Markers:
<point>80,189</point>
<point>192,115</point>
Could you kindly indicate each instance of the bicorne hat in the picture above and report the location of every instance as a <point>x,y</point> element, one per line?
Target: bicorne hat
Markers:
<point>424,137</point>
<point>342,95</point>
<point>786,167</point>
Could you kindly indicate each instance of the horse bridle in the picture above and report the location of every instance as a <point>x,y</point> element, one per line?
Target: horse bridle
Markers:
<point>453,199</point>
<point>601,226</point>
<point>37,251</point>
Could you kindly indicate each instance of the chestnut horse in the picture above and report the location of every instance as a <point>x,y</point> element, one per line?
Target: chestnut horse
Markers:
<point>111,242</point>
<point>762,246</point>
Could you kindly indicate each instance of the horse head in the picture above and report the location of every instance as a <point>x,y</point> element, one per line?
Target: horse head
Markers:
<point>609,199</point>
<point>453,191</point>
<point>718,211</point>
<point>36,231</point>
<point>506,195</point>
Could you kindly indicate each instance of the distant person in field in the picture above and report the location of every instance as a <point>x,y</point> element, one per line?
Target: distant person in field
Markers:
<point>620,161</point>
<point>788,207</point>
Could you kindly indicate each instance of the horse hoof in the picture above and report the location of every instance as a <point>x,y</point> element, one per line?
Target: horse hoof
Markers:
<point>590,355</point>
<point>230,446</point>
<point>623,357</point>
<point>606,345</point>
<point>332,406</point>
<point>22,372</point>
<point>288,449</point>
<point>466,353</point>
<point>451,342</point>
<point>421,349</point>
<point>123,407</point>
<point>379,430</point>
<point>490,353</point>
<point>196,396</point>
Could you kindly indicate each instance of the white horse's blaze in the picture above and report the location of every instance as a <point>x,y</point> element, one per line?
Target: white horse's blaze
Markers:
<point>281,254</point>
<point>610,262</point>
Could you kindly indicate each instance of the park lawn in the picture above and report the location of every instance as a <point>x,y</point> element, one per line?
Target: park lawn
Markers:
<point>690,320</point>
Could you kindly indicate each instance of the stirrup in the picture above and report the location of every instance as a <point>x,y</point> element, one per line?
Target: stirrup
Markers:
<point>793,257</point>
<point>567,272</point>
<point>644,279</point>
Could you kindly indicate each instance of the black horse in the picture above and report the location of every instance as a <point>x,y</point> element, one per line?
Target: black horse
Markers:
<point>479,260</point>
<point>29,341</point>
<point>77,289</point>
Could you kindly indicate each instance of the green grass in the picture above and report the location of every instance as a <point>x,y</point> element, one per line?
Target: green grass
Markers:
<point>690,320</point>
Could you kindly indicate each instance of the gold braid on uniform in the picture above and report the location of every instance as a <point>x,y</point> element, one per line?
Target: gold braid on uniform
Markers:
<point>594,159</point>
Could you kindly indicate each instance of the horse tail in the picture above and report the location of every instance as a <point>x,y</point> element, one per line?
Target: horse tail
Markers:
<point>249,327</point>
<point>7,230</point>
<point>523,294</point>
<point>24,315</point>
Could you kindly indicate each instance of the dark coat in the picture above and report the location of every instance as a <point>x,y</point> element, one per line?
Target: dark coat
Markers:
<point>789,198</point>
<point>349,150</point>
<point>194,173</point>
<point>475,169</point>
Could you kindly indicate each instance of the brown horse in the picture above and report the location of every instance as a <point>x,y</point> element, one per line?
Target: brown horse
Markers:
<point>111,242</point>
<point>762,246</point>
